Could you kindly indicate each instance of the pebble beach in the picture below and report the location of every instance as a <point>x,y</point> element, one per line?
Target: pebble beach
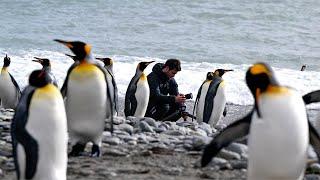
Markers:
<point>142,148</point>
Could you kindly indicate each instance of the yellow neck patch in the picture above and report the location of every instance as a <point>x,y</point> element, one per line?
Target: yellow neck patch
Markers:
<point>259,69</point>
<point>85,67</point>
<point>277,90</point>
<point>143,77</point>
<point>87,48</point>
<point>47,92</point>
<point>222,84</point>
<point>85,70</point>
<point>4,70</point>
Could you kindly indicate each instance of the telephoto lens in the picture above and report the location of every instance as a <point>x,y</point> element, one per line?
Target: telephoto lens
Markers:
<point>188,96</point>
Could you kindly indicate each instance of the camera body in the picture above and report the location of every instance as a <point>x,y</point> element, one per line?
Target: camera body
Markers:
<point>188,96</point>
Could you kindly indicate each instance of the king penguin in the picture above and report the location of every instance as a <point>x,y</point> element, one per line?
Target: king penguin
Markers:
<point>108,65</point>
<point>9,88</point>
<point>138,92</point>
<point>46,66</point>
<point>87,98</point>
<point>278,128</point>
<point>39,131</point>
<point>210,103</point>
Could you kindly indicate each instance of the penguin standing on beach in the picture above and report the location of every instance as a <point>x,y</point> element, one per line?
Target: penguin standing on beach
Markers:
<point>278,128</point>
<point>39,131</point>
<point>9,88</point>
<point>46,66</point>
<point>138,92</point>
<point>210,103</point>
<point>108,65</point>
<point>87,98</point>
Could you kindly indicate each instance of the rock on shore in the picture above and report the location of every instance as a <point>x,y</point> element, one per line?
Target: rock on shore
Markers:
<point>142,148</point>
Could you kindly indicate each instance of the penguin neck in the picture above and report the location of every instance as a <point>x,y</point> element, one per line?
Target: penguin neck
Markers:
<point>139,72</point>
<point>275,89</point>
<point>47,68</point>
<point>109,67</point>
<point>86,60</point>
<point>4,69</point>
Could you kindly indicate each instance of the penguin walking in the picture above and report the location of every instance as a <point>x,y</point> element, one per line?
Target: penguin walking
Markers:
<point>46,66</point>
<point>39,131</point>
<point>278,128</point>
<point>210,103</point>
<point>108,65</point>
<point>138,92</point>
<point>9,88</point>
<point>87,98</point>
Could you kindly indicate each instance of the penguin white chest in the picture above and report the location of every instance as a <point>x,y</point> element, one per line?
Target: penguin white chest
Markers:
<point>87,104</point>
<point>47,124</point>
<point>8,92</point>
<point>142,96</point>
<point>279,139</point>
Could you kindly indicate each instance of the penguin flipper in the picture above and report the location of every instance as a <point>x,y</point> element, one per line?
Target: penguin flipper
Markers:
<point>312,97</point>
<point>20,135</point>
<point>128,106</point>
<point>64,87</point>
<point>115,91</point>
<point>234,131</point>
<point>31,149</point>
<point>16,85</point>
<point>108,95</point>
<point>314,139</point>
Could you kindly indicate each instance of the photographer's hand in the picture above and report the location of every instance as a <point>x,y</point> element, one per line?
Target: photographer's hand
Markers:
<point>180,98</point>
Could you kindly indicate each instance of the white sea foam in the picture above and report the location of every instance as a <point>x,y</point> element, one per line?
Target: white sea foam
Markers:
<point>189,79</point>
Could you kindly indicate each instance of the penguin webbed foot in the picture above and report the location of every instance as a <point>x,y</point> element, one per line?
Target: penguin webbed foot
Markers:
<point>77,150</point>
<point>95,152</point>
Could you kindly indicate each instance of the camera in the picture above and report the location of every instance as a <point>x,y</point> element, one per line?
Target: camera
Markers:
<point>188,96</point>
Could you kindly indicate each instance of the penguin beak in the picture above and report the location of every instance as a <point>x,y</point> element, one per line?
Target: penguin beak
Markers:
<point>228,70</point>
<point>100,59</point>
<point>68,44</point>
<point>149,62</point>
<point>71,56</point>
<point>38,60</point>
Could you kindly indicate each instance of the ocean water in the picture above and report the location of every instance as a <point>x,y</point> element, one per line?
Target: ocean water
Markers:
<point>203,34</point>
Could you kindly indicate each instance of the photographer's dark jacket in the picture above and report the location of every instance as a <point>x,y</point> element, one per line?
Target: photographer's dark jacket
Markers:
<point>162,89</point>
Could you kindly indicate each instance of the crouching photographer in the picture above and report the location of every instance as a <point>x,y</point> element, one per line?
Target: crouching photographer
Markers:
<point>165,100</point>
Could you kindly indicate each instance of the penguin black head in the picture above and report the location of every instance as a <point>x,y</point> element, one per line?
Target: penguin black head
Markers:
<point>143,65</point>
<point>220,72</point>
<point>106,61</point>
<point>6,61</point>
<point>259,77</point>
<point>210,75</point>
<point>44,62</point>
<point>39,78</point>
<point>80,49</point>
